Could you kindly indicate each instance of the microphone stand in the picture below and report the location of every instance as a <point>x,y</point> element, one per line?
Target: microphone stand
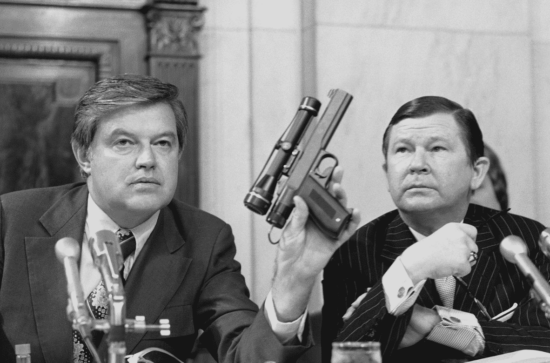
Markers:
<point>107,256</point>
<point>67,251</point>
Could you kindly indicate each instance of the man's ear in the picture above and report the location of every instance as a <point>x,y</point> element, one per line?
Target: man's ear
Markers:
<point>385,168</point>
<point>83,159</point>
<point>481,166</point>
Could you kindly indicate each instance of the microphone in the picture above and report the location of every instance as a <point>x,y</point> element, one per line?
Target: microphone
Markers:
<point>514,250</point>
<point>67,251</point>
<point>108,258</point>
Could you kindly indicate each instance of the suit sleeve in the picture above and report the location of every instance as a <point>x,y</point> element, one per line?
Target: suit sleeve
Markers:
<point>341,287</point>
<point>234,329</point>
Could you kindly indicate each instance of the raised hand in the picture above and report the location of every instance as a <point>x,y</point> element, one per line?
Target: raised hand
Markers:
<point>444,253</point>
<point>303,252</point>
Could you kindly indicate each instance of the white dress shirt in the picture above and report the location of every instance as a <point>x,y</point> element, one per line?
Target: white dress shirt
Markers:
<point>466,335</point>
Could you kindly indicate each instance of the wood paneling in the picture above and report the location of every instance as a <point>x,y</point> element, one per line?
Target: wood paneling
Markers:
<point>44,43</point>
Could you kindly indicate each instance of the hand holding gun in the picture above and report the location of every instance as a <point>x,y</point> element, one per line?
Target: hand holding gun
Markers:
<point>299,158</point>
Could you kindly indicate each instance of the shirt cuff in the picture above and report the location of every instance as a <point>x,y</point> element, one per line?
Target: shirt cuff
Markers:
<point>399,290</point>
<point>285,332</point>
<point>459,330</point>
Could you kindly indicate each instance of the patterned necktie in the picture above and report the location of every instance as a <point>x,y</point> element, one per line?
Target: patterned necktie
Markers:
<point>446,288</point>
<point>98,301</point>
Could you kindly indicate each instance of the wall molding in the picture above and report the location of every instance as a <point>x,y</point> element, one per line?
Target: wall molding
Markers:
<point>105,54</point>
<point>112,4</point>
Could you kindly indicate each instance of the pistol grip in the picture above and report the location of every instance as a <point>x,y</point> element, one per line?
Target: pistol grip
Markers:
<point>324,209</point>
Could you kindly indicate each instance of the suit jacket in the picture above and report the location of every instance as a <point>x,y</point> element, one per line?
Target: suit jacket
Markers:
<point>361,262</point>
<point>186,272</point>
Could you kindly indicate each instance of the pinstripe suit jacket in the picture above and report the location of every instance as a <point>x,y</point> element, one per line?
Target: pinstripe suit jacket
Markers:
<point>361,262</point>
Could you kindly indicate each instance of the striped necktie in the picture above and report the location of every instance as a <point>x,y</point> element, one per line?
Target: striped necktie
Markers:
<point>127,245</point>
<point>127,242</point>
<point>98,301</point>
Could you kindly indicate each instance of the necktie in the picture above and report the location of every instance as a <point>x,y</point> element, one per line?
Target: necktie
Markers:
<point>127,245</point>
<point>98,301</point>
<point>127,242</point>
<point>446,288</point>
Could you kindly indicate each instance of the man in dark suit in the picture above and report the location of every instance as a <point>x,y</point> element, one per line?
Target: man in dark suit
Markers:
<point>428,280</point>
<point>128,137</point>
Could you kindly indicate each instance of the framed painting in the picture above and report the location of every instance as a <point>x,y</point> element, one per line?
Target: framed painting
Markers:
<point>37,99</point>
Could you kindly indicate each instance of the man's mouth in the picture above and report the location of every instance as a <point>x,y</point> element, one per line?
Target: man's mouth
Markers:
<point>146,181</point>
<point>418,186</point>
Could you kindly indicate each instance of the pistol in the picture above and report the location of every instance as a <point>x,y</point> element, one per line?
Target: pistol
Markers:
<point>294,168</point>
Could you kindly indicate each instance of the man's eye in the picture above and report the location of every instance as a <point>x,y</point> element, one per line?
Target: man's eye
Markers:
<point>123,142</point>
<point>164,143</point>
<point>400,150</point>
<point>438,148</point>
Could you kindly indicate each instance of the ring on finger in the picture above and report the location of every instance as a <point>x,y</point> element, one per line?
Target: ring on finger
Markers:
<point>472,257</point>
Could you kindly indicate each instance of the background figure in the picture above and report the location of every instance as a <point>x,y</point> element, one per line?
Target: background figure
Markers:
<point>493,192</point>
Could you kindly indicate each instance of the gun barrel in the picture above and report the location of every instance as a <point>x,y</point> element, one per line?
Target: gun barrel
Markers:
<point>325,210</point>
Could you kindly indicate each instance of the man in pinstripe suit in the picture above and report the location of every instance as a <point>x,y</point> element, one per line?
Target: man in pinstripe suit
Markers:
<point>437,287</point>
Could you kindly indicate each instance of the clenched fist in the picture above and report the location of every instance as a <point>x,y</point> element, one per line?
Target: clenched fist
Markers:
<point>444,253</point>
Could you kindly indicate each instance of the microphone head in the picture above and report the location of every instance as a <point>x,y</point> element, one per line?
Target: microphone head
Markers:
<point>544,242</point>
<point>512,246</point>
<point>67,247</point>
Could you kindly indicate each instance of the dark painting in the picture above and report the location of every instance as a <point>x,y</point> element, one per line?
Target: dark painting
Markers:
<point>36,118</point>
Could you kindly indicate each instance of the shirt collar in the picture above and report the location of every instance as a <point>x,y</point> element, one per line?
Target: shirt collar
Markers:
<point>98,220</point>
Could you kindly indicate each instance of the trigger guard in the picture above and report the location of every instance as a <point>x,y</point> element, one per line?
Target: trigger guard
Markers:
<point>327,178</point>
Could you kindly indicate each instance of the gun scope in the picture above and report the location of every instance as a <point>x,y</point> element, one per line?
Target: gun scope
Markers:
<point>259,198</point>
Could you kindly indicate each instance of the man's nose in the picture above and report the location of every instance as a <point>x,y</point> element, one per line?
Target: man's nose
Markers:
<point>146,157</point>
<point>419,163</point>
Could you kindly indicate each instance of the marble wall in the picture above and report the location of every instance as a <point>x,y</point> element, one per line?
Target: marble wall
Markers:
<point>261,57</point>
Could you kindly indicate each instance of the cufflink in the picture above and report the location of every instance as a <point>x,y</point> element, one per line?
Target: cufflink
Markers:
<point>401,292</point>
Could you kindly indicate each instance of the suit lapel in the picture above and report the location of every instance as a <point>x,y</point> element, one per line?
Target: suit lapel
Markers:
<point>484,272</point>
<point>157,274</point>
<point>398,239</point>
<point>47,279</point>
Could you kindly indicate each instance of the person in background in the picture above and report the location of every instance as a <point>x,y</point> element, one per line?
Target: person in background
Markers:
<point>493,192</point>
<point>427,280</point>
<point>179,264</point>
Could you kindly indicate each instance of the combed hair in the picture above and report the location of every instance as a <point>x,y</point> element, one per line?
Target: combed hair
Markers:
<point>430,105</point>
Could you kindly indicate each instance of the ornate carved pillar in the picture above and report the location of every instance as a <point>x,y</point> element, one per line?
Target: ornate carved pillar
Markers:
<point>173,56</point>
